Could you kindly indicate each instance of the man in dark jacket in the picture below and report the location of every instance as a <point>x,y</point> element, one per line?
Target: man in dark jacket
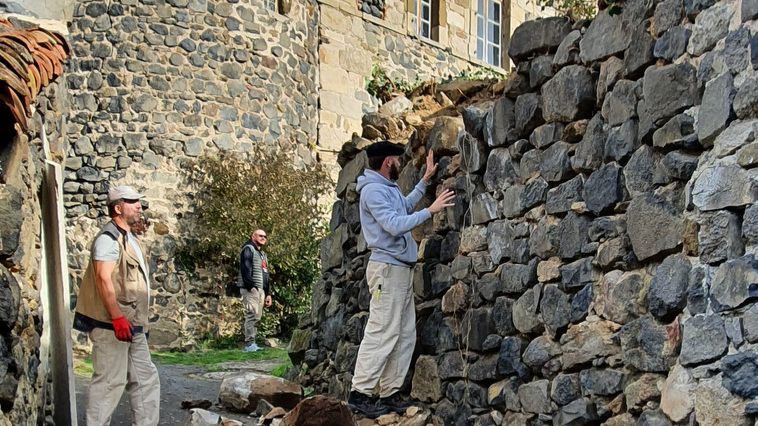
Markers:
<point>253,283</point>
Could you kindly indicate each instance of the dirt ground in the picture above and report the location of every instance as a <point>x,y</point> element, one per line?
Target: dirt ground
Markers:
<point>179,382</point>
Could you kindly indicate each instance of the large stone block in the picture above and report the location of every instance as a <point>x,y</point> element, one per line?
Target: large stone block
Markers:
<point>587,341</point>
<point>603,188</point>
<point>668,288</point>
<point>526,311</point>
<point>426,385</point>
<point>622,297</point>
<point>569,95</point>
<point>535,397</point>
<point>666,91</point>
<point>444,136</point>
<point>716,406</point>
<point>650,346</point>
<point>655,225</point>
<point>710,26</point>
<point>720,186</point>
<point>719,238</point>
<point>735,282</point>
<point>589,153</point>
<point>540,35</point>
<point>703,340</point>
<point>605,37</point>
<point>716,108</point>
<point>500,123</point>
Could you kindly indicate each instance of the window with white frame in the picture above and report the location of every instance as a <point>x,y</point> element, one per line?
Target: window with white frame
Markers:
<point>489,39</point>
<point>271,5</point>
<point>427,19</point>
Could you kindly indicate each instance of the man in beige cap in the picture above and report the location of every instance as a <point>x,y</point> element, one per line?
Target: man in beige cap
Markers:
<point>112,307</point>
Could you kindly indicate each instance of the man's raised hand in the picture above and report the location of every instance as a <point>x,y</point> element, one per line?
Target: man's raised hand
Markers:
<point>442,201</point>
<point>431,167</point>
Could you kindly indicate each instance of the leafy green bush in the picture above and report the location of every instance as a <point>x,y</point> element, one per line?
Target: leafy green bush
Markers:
<point>237,196</point>
<point>382,87</point>
<point>480,73</point>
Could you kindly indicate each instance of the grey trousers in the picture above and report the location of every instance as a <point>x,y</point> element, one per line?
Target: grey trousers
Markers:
<point>390,336</point>
<point>118,366</point>
<point>253,301</point>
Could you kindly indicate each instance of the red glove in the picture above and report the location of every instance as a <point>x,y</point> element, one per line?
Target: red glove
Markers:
<point>123,329</point>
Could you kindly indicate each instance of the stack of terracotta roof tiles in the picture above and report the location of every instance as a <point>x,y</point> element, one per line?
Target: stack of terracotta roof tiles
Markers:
<point>29,61</point>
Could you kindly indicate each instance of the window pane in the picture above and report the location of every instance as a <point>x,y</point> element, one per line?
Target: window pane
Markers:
<point>490,32</point>
<point>495,12</point>
<point>480,27</point>
<point>496,34</point>
<point>425,12</point>
<point>490,9</point>
<point>425,30</point>
<point>480,9</point>
<point>480,49</point>
<point>495,56</point>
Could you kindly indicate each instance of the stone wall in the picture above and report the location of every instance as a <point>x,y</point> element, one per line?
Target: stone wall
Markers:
<point>24,370</point>
<point>600,263</point>
<point>156,84</point>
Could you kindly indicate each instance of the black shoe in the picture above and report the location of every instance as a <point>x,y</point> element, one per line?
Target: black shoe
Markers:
<point>394,403</point>
<point>365,405</point>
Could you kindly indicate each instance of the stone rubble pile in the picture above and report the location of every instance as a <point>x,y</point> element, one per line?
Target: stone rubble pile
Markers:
<point>599,266</point>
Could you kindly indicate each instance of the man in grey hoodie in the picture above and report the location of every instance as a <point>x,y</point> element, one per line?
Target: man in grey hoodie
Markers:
<point>387,218</point>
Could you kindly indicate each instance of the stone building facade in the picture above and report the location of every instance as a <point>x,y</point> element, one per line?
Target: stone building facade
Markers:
<point>599,266</point>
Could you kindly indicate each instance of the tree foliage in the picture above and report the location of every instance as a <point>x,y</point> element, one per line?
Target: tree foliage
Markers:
<point>236,197</point>
<point>574,9</point>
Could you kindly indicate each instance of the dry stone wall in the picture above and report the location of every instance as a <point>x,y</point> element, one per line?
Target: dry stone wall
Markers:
<point>599,266</point>
<point>158,83</point>
<point>24,373</point>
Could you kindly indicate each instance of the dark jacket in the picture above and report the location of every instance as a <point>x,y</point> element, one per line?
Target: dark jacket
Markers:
<point>253,268</point>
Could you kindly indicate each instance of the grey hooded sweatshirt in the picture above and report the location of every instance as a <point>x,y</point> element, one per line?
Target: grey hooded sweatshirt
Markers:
<point>387,218</point>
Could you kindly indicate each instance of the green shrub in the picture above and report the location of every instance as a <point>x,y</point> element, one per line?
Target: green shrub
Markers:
<point>237,196</point>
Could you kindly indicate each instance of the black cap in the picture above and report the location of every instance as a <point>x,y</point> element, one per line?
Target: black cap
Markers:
<point>384,149</point>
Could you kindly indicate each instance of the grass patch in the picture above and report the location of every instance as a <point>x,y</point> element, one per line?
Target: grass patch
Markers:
<point>212,359</point>
<point>83,366</point>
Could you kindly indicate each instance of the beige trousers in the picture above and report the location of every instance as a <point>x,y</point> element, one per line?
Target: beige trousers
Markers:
<point>253,301</point>
<point>120,365</point>
<point>390,336</point>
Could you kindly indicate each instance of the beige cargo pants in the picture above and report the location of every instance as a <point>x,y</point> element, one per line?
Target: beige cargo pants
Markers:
<point>253,301</point>
<point>390,336</point>
<point>120,365</point>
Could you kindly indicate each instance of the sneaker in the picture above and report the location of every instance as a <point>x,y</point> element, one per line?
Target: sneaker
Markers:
<point>394,403</point>
<point>365,405</point>
<point>252,348</point>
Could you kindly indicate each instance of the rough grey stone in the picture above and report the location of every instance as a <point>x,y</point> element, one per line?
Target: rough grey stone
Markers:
<point>621,103</point>
<point>676,165</point>
<point>511,203</point>
<point>473,154</point>
<point>697,302</point>
<point>528,114</point>
<point>565,388</point>
<point>668,14</point>
<point>649,346</point>
<point>578,274</point>
<point>518,278</point>
<point>603,189</point>
<point>477,325</point>
<point>568,50</point>
<point>621,296</point>
<point>622,142</point>
<point>534,193</point>
<point>556,165</point>
<point>545,135</point>
<point>750,323</point>
<point>735,282</point>
<point>719,238</point>
<point>693,7</point>
<point>639,169</point>
<point>500,123</point>
<point>734,137</point>
<point>672,44</point>
<point>580,304</point>
<point>572,235</point>
<point>750,224</point>
<point>589,152</point>
<point>569,95</point>
<point>741,374</point>
<point>736,50</point>
<point>530,164</point>
<point>597,381</point>
<point>716,108</point>
<point>541,70</point>
<point>667,296</point>
<point>640,53</point>
<point>746,99</point>
<point>504,395</point>
<point>655,225</point>
<point>535,397</point>
<point>502,314</point>
<point>555,309</point>
<point>710,26</point>
<point>653,418</point>
<point>474,119</point>
<point>540,352</point>
<point>605,37</point>
<point>483,208</point>
<point>610,72</point>
<point>721,186</point>
<point>560,198</point>
<point>678,132</point>
<point>666,91</point>
<point>537,36</point>
<point>749,10</point>
<point>543,241</point>
<point>509,359</point>
<point>525,311</point>
<point>703,340</point>
<point>501,170</point>
<point>582,411</point>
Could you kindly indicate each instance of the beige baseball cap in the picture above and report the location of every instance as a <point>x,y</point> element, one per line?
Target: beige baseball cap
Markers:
<point>123,192</point>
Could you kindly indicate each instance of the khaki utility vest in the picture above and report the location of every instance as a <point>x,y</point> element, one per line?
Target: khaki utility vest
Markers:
<point>128,283</point>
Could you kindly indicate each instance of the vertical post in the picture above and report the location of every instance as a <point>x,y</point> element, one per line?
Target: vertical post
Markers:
<point>55,296</point>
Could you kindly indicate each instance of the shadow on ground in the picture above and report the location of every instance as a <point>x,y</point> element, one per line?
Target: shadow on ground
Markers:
<point>178,383</point>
